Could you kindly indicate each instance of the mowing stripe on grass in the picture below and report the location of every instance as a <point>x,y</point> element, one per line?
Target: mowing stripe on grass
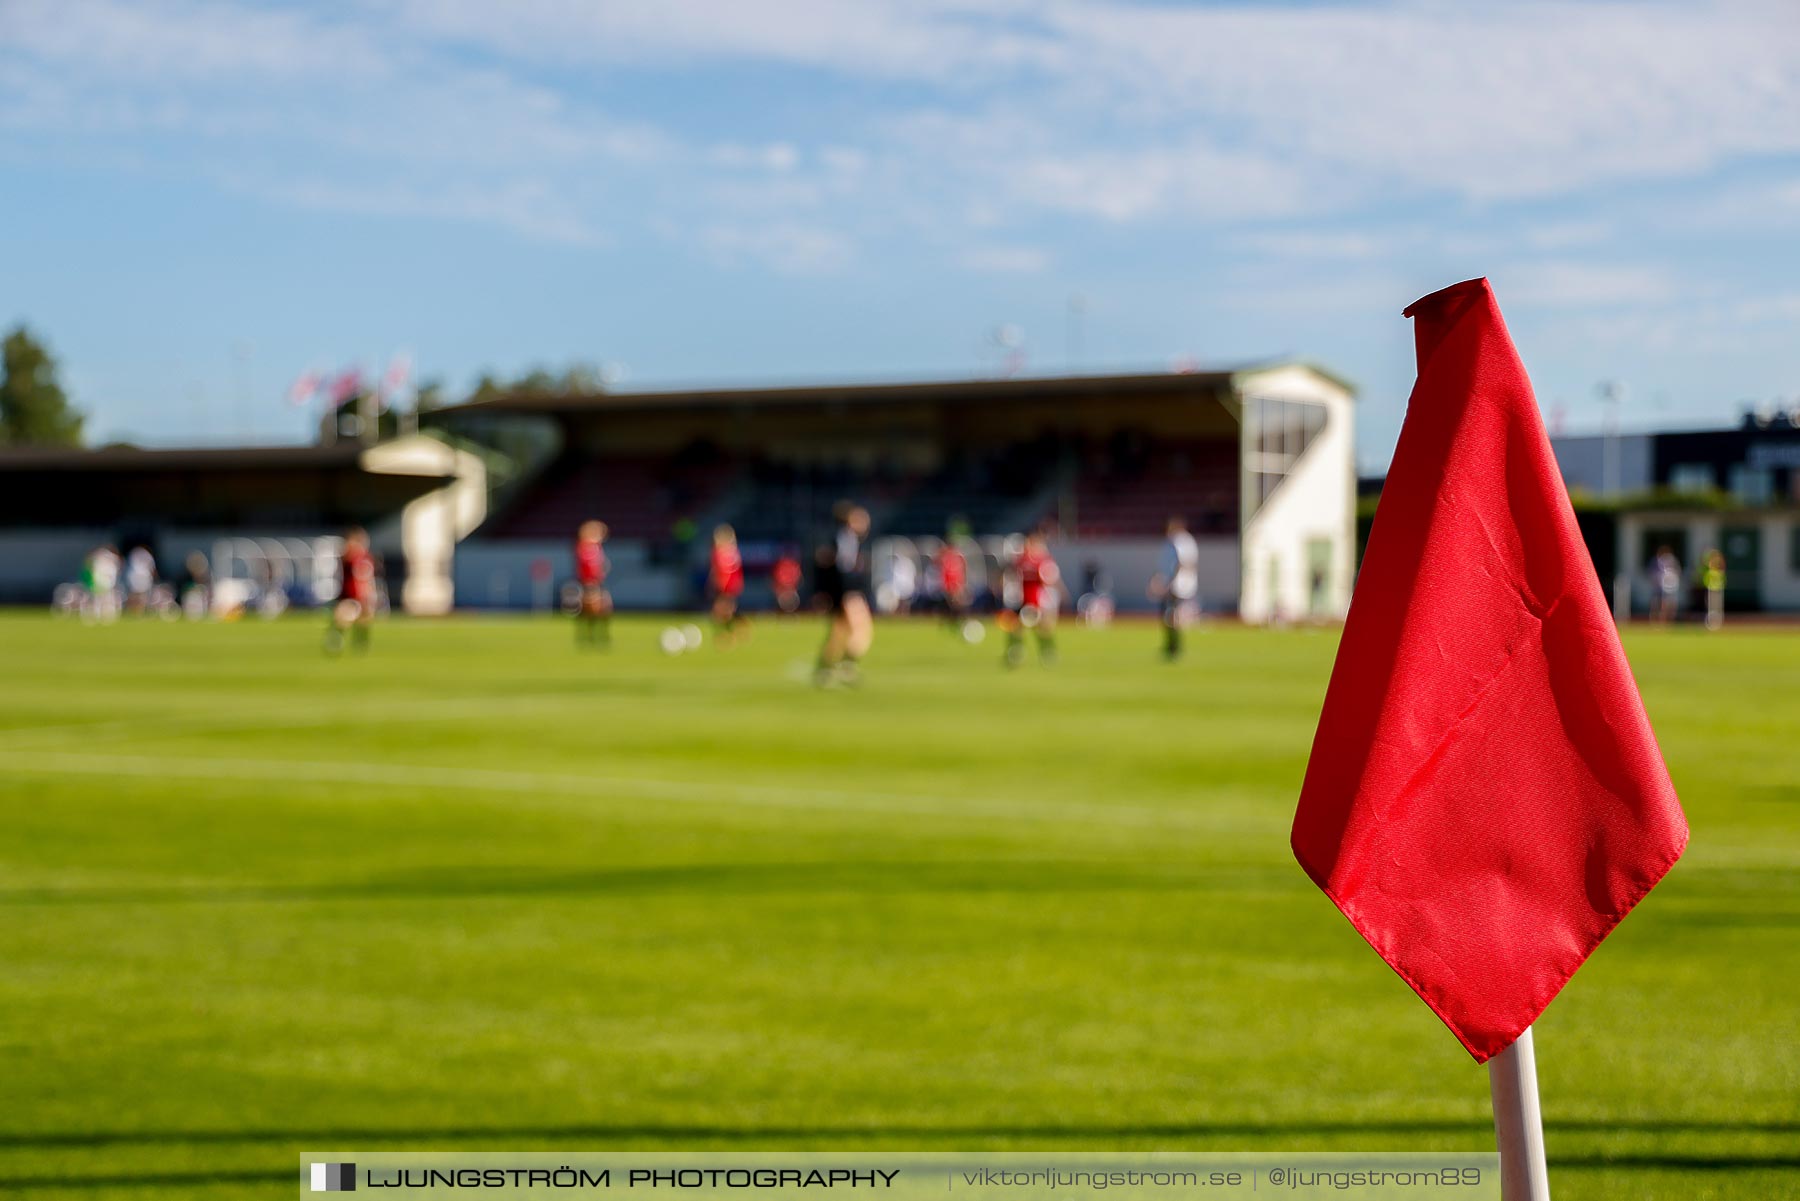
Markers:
<point>288,718</point>
<point>481,779</point>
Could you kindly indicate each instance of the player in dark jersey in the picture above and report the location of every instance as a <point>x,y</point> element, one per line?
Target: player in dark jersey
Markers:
<point>593,616</point>
<point>725,581</point>
<point>841,582</point>
<point>354,610</point>
<point>1040,596</point>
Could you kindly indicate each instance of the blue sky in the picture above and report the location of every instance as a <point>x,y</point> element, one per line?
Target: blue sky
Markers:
<point>198,200</point>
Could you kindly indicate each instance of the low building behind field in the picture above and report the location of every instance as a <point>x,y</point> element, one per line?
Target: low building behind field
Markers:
<point>1258,461</point>
<point>1736,490</point>
<point>268,516</point>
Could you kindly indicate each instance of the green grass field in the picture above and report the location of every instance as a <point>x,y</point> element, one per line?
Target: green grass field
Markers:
<point>479,891</point>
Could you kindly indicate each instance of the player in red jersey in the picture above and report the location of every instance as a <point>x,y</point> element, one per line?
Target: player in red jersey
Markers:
<point>784,578</point>
<point>725,580</point>
<point>953,583</point>
<point>1040,595</point>
<point>354,610</point>
<point>593,619</point>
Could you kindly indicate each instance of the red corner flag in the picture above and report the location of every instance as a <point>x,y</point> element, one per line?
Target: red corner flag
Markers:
<point>1485,799</point>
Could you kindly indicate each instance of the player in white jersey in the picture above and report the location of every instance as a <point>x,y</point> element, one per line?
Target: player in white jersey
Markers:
<point>1176,583</point>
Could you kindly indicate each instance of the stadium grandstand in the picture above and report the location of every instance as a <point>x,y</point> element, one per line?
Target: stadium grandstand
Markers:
<point>262,516</point>
<point>1258,461</point>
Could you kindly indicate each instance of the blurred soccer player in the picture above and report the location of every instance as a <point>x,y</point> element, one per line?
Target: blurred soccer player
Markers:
<point>953,581</point>
<point>354,611</point>
<point>1712,578</point>
<point>1665,582</point>
<point>140,577</point>
<point>842,583</point>
<point>1040,596</point>
<point>195,590</point>
<point>593,616</point>
<point>1096,603</point>
<point>902,584</point>
<point>1176,583</point>
<point>784,578</point>
<point>100,578</point>
<point>725,582</point>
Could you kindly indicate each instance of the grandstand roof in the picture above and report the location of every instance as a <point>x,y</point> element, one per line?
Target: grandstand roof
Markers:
<point>305,484</point>
<point>942,391</point>
<point>213,458</point>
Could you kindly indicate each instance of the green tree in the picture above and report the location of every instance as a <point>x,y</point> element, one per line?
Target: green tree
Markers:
<point>430,395</point>
<point>33,409</point>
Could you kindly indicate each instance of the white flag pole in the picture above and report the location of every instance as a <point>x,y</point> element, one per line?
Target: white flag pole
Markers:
<point>1518,1123</point>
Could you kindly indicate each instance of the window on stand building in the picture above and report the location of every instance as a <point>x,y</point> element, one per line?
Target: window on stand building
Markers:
<point>1692,477</point>
<point>1276,434</point>
<point>1752,485</point>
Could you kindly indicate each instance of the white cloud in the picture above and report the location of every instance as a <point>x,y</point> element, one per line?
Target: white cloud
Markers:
<point>1584,285</point>
<point>1197,182</point>
<point>1010,112</point>
<point>1526,99</point>
<point>1317,244</point>
<point>906,39</point>
<point>788,247</point>
<point>194,41</point>
<point>1766,205</point>
<point>1565,235</point>
<point>532,208</point>
<point>1338,295</point>
<point>1006,260</point>
<point>1751,324</point>
<point>774,156</point>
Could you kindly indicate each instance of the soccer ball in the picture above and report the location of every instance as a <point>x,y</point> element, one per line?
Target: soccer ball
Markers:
<point>691,637</point>
<point>973,632</point>
<point>671,641</point>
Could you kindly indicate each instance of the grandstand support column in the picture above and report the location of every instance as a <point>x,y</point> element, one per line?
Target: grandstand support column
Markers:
<point>431,526</point>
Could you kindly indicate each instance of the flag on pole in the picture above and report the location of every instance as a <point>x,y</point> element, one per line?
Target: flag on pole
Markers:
<point>304,388</point>
<point>347,385</point>
<point>1485,799</point>
<point>396,381</point>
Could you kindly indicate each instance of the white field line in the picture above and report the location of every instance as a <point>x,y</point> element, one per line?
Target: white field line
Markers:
<point>596,787</point>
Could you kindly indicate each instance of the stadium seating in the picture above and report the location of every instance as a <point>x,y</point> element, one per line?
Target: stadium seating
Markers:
<point>1123,487</point>
<point>788,502</point>
<point>979,490</point>
<point>1130,489</point>
<point>638,497</point>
